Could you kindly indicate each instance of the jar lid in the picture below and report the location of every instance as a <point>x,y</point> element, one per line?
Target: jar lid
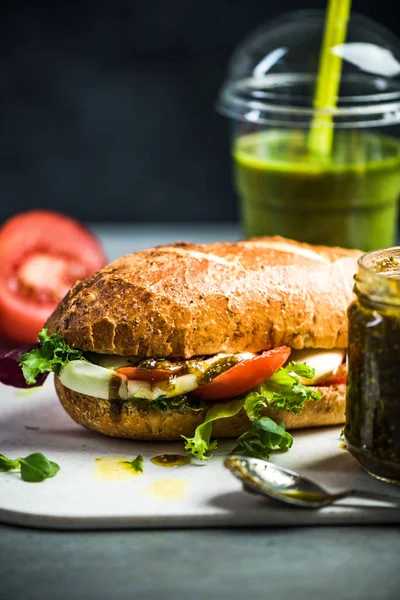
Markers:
<point>275,69</point>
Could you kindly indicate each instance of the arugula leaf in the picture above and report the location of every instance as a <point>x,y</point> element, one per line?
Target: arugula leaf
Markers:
<point>136,464</point>
<point>200,443</point>
<point>282,391</point>
<point>52,354</point>
<point>35,467</point>
<point>264,435</point>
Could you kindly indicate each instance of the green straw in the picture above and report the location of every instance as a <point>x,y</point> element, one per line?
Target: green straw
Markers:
<point>329,72</point>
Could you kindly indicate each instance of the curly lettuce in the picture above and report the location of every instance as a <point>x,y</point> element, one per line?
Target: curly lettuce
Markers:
<point>281,391</point>
<point>200,443</point>
<point>52,354</point>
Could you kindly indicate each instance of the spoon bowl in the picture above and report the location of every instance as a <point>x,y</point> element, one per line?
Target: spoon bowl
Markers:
<point>283,485</point>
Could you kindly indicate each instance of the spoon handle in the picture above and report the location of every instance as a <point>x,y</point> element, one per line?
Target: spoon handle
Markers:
<point>373,496</point>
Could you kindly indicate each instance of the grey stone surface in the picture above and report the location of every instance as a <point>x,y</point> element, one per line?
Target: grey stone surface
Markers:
<point>349,563</point>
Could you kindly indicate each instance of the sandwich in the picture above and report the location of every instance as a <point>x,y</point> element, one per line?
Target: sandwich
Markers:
<point>200,341</point>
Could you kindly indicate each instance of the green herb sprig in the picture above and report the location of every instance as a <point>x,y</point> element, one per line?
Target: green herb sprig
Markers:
<point>136,464</point>
<point>34,468</point>
<point>263,436</point>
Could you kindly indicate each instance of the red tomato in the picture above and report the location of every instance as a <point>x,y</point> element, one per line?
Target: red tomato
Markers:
<point>42,253</point>
<point>148,374</point>
<point>244,376</point>
<point>339,377</point>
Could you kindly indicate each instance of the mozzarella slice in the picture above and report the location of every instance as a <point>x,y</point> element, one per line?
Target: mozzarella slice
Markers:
<point>95,380</point>
<point>325,363</point>
<point>86,378</point>
<point>115,361</point>
<point>174,387</point>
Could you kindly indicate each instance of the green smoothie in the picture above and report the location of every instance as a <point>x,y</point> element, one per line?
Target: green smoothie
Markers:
<point>350,199</point>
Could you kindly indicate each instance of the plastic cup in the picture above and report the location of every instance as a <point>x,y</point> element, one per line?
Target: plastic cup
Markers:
<point>348,198</point>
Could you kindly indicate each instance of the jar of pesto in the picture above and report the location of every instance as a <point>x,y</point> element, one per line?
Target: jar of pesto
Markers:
<point>319,174</point>
<point>372,430</point>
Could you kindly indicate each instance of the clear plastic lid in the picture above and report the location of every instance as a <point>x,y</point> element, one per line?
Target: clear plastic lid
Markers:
<point>274,71</point>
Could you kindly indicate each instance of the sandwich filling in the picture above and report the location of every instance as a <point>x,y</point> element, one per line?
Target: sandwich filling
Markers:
<point>114,377</point>
<point>209,379</point>
<point>223,384</point>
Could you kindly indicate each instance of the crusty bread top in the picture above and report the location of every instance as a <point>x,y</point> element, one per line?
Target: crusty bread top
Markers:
<point>186,300</point>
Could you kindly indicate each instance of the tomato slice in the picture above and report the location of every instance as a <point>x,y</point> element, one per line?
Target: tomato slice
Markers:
<point>142,374</point>
<point>42,253</point>
<point>244,376</point>
<point>339,377</point>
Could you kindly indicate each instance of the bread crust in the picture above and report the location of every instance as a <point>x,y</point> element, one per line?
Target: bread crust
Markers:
<point>126,420</point>
<point>185,300</point>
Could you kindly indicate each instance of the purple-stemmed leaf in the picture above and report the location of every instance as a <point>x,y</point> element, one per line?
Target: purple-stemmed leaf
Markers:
<point>11,372</point>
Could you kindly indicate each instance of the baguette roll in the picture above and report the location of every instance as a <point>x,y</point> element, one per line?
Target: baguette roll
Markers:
<point>185,300</point>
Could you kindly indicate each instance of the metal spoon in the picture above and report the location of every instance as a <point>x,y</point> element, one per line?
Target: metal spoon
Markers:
<point>278,483</point>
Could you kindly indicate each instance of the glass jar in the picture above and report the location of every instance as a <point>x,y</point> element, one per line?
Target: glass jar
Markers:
<point>348,197</point>
<point>372,430</point>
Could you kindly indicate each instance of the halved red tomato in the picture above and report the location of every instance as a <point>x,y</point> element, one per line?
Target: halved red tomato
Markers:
<point>244,376</point>
<point>42,253</point>
<point>141,374</point>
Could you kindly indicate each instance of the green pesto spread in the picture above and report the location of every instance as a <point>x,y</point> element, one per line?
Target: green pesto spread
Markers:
<point>217,367</point>
<point>204,372</point>
<point>186,366</point>
<point>372,429</point>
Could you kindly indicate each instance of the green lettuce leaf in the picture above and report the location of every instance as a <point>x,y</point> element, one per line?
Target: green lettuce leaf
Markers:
<point>200,443</point>
<point>282,391</point>
<point>52,355</point>
<point>263,436</point>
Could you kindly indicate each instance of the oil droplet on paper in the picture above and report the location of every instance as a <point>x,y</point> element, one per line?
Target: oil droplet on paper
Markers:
<point>114,468</point>
<point>167,489</point>
<point>170,460</point>
<point>27,391</point>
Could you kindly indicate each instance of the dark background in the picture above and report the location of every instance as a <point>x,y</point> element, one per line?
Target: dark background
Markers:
<point>106,106</point>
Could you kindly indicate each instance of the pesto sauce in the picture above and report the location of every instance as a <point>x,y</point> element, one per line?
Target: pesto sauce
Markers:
<point>170,460</point>
<point>372,430</point>
<point>205,372</point>
<point>306,496</point>
<point>216,368</point>
<point>186,366</point>
<point>113,388</point>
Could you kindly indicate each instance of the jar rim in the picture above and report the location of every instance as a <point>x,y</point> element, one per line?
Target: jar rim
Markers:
<point>378,276</point>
